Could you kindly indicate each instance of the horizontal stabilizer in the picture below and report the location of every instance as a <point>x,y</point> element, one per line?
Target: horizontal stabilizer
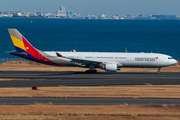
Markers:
<point>59,55</point>
<point>74,51</point>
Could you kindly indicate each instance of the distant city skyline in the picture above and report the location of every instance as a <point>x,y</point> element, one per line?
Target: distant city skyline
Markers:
<point>96,7</point>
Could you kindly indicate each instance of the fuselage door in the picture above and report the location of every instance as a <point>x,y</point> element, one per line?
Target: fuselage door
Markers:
<point>80,56</point>
<point>160,59</point>
<point>128,57</point>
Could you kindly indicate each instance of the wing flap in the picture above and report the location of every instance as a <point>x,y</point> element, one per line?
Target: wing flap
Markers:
<point>85,61</point>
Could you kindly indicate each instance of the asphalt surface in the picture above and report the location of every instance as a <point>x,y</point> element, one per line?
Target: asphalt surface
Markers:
<point>87,101</point>
<point>51,78</point>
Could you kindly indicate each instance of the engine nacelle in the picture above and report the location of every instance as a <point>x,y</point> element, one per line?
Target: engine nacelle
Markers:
<point>111,67</point>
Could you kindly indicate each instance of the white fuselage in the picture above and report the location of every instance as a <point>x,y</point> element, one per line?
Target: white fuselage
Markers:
<point>121,59</point>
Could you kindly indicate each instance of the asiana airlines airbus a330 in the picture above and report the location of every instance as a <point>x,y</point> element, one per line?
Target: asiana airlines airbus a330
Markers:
<point>108,61</point>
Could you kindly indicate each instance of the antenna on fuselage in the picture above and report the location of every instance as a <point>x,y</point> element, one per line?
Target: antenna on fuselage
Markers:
<point>126,50</point>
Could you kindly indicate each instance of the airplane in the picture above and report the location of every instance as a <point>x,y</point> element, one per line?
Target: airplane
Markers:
<point>108,61</point>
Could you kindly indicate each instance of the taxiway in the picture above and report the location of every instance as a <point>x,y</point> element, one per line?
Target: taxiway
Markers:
<point>46,78</point>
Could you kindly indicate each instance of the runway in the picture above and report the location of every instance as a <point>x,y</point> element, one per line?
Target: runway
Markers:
<point>87,101</point>
<point>46,78</point>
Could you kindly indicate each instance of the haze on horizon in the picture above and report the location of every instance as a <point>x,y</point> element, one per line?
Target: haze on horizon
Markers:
<point>96,7</point>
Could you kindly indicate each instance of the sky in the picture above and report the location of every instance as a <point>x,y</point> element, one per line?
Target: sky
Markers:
<point>96,7</point>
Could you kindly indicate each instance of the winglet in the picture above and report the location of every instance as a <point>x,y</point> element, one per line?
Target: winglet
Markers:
<point>74,51</point>
<point>59,55</point>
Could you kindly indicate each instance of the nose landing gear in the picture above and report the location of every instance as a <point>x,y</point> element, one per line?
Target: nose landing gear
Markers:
<point>158,72</point>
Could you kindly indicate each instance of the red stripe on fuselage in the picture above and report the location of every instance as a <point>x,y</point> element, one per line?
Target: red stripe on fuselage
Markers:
<point>31,50</point>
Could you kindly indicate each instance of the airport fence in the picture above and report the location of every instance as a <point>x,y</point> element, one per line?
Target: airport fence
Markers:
<point>3,60</point>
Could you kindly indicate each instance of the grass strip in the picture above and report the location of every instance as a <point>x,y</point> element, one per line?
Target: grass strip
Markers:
<point>120,91</point>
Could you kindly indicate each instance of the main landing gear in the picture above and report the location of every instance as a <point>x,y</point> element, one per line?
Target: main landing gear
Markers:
<point>158,72</point>
<point>91,70</point>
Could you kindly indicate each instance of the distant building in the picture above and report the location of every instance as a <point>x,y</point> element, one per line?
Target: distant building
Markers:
<point>94,17</point>
<point>102,16</point>
<point>141,15</point>
<point>116,17</point>
<point>61,13</point>
<point>165,17</point>
<point>62,8</point>
<point>19,14</point>
<point>32,15</point>
<point>41,14</point>
<point>68,13</point>
<point>177,17</point>
<point>6,15</point>
<point>71,13</point>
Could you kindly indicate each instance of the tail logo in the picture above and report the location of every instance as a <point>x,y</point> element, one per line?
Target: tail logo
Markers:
<point>23,46</point>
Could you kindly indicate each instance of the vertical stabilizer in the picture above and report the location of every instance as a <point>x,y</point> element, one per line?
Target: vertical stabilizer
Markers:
<point>25,49</point>
<point>17,40</point>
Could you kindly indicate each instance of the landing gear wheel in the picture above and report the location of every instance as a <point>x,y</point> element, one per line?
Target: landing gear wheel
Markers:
<point>158,72</point>
<point>91,71</point>
<point>87,71</point>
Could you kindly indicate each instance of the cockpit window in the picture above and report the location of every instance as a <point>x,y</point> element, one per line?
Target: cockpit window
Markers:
<point>169,57</point>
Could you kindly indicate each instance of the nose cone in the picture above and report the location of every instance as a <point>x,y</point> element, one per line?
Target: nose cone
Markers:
<point>174,61</point>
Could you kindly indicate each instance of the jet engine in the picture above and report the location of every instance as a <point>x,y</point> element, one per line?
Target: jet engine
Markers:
<point>111,67</point>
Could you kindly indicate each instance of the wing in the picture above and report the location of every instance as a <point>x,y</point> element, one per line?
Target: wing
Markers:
<point>80,60</point>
